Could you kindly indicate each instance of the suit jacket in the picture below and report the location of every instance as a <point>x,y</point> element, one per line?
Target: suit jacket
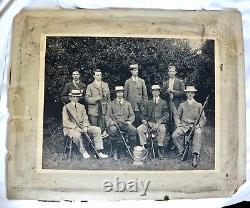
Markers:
<point>117,112</point>
<point>71,86</point>
<point>135,92</point>
<point>188,114</point>
<point>178,88</point>
<point>156,112</point>
<point>79,114</point>
<point>93,90</point>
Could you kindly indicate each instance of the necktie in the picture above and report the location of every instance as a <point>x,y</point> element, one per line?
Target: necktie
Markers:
<point>155,101</point>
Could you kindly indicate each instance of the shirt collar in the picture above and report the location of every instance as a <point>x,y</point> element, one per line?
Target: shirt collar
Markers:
<point>157,99</point>
<point>120,101</point>
<point>190,101</point>
<point>135,78</point>
<point>75,82</point>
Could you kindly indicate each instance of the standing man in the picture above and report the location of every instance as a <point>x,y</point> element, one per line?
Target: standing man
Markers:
<point>155,115</point>
<point>188,113</point>
<point>173,88</point>
<point>74,85</point>
<point>136,93</point>
<point>120,114</point>
<point>75,122</point>
<point>97,97</point>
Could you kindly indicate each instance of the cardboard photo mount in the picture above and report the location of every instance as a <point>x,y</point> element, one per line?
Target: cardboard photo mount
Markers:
<point>25,177</point>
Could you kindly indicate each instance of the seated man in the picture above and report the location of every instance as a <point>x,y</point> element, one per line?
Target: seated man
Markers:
<point>120,113</point>
<point>155,114</point>
<point>75,122</point>
<point>188,113</point>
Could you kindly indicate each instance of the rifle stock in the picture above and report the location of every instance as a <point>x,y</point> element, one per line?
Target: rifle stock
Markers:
<point>190,135</point>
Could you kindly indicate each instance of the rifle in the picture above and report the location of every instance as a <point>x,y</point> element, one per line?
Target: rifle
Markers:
<point>191,132</point>
<point>152,135</point>
<point>124,141</point>
<point>85,134</point>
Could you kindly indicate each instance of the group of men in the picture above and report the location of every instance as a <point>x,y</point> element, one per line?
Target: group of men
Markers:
<point>132,113</point>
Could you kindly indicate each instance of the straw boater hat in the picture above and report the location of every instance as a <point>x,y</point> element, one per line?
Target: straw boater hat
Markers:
<point>119,88</point>
<point>155,87</point>
<point>75,93</point>
<point>134,66</point>
<point>190,89</point>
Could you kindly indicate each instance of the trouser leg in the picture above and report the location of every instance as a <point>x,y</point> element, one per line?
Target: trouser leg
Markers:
<point>196,144</point>
<point>95,132</point>
<point>161,135</point>
<point>93,120</point>
<point>142,131</point>
<point>77,139</point>
<point>132,133</point>
<point>178,139</point>
<point>112,131</point>
<point>137,121</point>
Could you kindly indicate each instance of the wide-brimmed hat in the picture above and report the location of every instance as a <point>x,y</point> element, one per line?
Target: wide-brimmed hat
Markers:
<point>75,93</point>
<point>119,88</point>
<point>155,87</point>
<point>190,89</point>
<point>134,66</point>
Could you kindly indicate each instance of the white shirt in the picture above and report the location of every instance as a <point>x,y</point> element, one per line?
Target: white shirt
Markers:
<point>156,100</point>
<point>171,83</point>
<point>120,101</point>
<point>135,79</point>
<point>75,82</point>
<point>190,101</point>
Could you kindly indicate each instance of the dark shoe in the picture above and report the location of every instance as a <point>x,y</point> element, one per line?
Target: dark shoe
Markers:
<point>116,156</point>
<point>195,160</point>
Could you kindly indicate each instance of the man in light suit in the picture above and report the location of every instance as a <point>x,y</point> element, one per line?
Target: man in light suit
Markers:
<point>188,113</point>
<point>173,88</point>
<point>120,113</point>
<point>155,114</point>
<point>135,92</point>
<point>97,97</point>
<point>75,84</point>
<point>75,122</point>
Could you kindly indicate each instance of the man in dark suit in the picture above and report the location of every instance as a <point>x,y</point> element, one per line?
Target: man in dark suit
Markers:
<point>120,113</point>
<point>74,85</point>
<point>173,88</point>
<point>135,92</point>
<point>155,114</point>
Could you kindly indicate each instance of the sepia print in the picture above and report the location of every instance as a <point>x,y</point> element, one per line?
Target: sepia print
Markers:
<point>81,60</point>
<point>126,104</point>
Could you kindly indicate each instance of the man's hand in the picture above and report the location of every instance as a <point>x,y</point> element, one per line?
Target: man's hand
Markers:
<point>112,123</point>
<point>85,129</point>
<point>129,122</point>
<point>144,122</point>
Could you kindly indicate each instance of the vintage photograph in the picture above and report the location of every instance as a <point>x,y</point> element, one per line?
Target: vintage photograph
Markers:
<point>129,103</point>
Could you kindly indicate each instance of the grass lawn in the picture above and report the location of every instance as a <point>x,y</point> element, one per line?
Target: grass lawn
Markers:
<point>53,142</point>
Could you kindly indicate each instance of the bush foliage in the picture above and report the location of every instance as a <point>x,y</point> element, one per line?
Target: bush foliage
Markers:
<point>195,65</point>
